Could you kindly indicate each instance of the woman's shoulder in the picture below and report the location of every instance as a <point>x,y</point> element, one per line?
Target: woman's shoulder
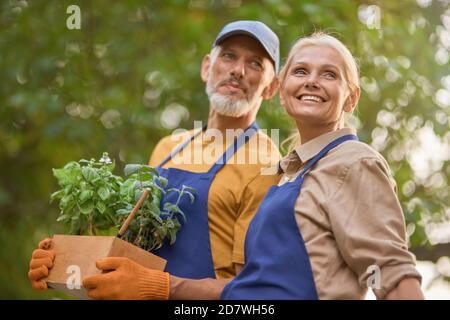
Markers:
<point>354,151</point>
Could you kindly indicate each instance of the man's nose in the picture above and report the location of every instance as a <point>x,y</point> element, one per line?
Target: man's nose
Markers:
<point>238,69</point>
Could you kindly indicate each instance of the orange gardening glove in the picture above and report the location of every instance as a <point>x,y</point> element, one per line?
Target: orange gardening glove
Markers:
<point>126,280</point>
<point>40,264</point>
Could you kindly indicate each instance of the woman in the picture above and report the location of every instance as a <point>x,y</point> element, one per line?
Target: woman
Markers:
<point>333,226</point>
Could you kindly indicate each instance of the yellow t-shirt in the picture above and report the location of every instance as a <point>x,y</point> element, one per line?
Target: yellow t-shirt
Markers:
<point>235,192</point>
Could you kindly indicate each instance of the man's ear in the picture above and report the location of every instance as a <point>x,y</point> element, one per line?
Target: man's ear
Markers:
<point>352,100</point>
<point>271,89</point>
<point>204,71</point>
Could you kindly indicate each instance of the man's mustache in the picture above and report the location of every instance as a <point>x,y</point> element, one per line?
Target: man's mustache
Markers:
<point>234,82</point>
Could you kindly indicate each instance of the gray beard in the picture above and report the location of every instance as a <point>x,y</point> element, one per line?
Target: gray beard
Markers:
<point>225,105</point>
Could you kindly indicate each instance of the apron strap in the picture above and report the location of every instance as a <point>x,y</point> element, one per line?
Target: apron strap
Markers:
<point>323,152</point>
<point>180,147</point>
<point>242,139</point>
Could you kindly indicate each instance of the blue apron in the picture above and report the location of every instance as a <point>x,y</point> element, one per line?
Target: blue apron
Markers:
<point>277,264</point>
<point>190,256</point>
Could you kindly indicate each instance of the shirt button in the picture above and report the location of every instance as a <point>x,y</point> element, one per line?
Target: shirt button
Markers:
<point>286,178</point>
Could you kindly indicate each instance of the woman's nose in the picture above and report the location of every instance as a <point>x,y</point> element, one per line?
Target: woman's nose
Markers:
<point>311,81</point>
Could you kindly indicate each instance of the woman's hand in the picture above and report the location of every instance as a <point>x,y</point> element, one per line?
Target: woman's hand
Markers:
<point>126,280</point>
<point>407,289</point>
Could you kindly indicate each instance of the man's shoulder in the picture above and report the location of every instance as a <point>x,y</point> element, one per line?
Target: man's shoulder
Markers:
<point>174,139</point>
<point>167,144</point>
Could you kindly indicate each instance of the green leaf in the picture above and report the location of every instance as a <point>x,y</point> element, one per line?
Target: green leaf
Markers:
<point>61,175</point>
<point>110,166</point>
<point>190,196</point>
<point>57,194</point>
<point>73,165</point>
<point>85,195</point>
<point>132,168</point>
<point>172,236</point>
<point>149,169</point>
<point>156,217</point>
<point>182,214</point>
<point>101,207</point>
<point>63,217</point>
<point>142,168</point>
<point>172,190</point>
<point>137,194</point>
<point>87,207</point>
<point>148,177</point>
<point>169,224</point>
<point>66,200</point>
<point>162,181</point>
<point>89,174</point>
<point>68,188</point>
<point>103,193</point>
<point>123,212</point>
<point>170,207</point>
<point>186,188</point>
<point>175,209</point>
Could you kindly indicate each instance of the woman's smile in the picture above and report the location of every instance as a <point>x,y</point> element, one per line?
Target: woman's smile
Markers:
<point>310,98</point>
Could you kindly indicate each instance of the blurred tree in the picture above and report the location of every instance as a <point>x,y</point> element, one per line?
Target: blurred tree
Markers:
<point>130,76</point>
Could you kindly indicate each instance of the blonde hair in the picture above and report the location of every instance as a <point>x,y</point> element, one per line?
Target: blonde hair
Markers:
<point>351,71</point>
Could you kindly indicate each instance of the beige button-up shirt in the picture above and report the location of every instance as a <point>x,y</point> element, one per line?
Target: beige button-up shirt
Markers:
<point>350,218</point>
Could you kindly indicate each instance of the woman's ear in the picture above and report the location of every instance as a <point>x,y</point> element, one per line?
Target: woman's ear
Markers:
<point>352,100</point>
<point>204,70</point>
<point>271,89</point>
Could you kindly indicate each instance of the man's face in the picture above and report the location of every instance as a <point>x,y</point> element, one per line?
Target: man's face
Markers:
<point>237,76</point>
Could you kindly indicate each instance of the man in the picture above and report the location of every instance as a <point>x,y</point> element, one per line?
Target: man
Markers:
<point>239,73</point>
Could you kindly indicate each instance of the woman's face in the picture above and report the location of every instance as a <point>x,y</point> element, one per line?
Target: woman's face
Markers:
<point>315,91</point>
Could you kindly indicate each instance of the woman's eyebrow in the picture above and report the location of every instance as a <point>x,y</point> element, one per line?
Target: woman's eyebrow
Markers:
<point>299,63</point>
<point>323,66</point>
<point>330,66</point>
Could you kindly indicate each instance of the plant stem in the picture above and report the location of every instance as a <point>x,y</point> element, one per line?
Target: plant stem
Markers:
<point>90,228</point>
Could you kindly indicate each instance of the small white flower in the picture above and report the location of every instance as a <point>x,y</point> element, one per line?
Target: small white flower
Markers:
<point>105,159</point>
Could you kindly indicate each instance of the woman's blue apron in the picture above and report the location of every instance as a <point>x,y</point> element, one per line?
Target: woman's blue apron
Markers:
<point>277,264</point>
<point>190,256</point>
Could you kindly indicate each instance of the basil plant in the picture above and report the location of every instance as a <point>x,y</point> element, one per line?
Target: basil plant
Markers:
<point>94,201</point>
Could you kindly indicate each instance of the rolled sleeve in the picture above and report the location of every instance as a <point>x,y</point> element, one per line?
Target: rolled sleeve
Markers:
<point>368,224</point>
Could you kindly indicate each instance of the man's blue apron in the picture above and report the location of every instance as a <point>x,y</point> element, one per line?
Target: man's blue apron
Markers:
<point>277,264</point>
<point>190,256</point>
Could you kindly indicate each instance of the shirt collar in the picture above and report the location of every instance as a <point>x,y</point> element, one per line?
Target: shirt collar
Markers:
<point>307,151</point>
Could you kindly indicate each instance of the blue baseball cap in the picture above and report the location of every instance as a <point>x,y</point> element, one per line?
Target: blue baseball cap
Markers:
<point>257,30</point>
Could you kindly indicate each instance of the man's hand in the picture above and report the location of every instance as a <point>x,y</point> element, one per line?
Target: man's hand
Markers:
<point>40,264</point>
<point>126,280</point>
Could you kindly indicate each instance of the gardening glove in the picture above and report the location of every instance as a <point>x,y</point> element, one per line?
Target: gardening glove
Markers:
<point>126,280</point>
<point>40,264</point>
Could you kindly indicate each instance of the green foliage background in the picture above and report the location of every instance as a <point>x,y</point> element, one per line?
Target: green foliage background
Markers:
<point>131,74</point>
